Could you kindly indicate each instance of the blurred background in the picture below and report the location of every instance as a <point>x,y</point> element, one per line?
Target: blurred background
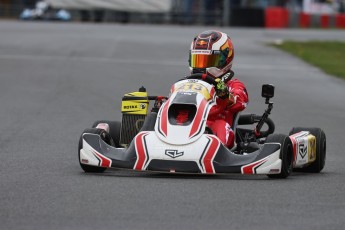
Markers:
<point>248,13</point>
<point>57,78</point>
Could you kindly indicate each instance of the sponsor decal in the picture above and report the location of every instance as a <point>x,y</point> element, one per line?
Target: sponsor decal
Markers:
<point>303,150</point>
<point>193,87</point>
<point>173,153</point>
<point>186,93</point>
<point>295,139</point>
<point>312,154</point>
<point>130,107</point>
<point>84,161</point>
<point>201,44</point>
<point>201,52</point>
<point>312,143</point>
<point>274,170</point>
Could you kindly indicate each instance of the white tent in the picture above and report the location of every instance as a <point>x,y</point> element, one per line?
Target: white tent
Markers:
<point>151,6</point>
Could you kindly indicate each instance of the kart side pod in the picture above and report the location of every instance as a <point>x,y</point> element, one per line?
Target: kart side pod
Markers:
<point>134,110</point>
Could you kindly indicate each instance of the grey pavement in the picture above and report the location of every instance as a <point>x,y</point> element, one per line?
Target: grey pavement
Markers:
<point>56,79</point>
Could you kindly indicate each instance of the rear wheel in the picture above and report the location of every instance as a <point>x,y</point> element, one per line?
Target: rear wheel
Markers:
<point>320,160</point>
<point>286,154</point>
<point>105,137</point>
<point>114,130</point>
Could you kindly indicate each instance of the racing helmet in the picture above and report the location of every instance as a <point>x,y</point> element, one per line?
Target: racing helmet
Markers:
<point>211,52</point>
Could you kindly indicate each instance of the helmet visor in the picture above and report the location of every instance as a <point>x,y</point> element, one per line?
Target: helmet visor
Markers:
<point>197,60</point>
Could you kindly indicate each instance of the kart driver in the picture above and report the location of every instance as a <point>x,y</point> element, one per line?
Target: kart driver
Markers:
<point>211,53</point>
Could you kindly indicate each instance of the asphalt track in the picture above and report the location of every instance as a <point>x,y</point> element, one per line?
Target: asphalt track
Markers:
<point>56,79</point>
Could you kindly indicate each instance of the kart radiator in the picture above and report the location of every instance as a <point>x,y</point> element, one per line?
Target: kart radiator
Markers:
<point>131,125</point>
<point>134,110</point>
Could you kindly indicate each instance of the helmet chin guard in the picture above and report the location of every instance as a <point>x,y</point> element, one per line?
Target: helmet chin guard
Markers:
<point>216,73</point>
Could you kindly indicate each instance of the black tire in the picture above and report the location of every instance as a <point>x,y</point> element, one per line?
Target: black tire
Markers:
<point>286,154</point>
<point>320,160</point>
<point>105,137</point>
<point>114,130</point>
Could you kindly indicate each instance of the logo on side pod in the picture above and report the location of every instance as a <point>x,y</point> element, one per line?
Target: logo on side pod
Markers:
<point>173,153</point>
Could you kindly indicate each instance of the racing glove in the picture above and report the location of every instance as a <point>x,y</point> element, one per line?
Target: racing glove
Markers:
<point>222,90</point>
<point>232,99</point>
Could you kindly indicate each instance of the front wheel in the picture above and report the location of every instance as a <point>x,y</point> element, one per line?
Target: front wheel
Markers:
<point>320,160</point>
<point>286,154</point>
<point>114,130</point>
<point>105,137</point>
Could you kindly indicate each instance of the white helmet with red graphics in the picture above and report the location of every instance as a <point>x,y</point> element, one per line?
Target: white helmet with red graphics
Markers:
<point>211,52</point>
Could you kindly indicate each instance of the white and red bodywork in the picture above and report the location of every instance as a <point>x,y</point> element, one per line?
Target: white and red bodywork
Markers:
<point>181,134</point>
<point>172,147</point>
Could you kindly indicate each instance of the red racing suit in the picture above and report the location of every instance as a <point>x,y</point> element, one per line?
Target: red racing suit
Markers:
<point>220,119</point>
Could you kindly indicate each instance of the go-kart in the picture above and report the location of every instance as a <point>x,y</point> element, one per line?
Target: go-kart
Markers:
<point>173,137</point>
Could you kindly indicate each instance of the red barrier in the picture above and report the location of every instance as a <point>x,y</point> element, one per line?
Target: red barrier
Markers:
<point>324,21</point>
<point>340,21</point>
<point>276,17</point>
<point>286,17</point>
<point>304,20</point>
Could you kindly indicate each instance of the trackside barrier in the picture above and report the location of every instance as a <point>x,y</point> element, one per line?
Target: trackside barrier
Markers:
<point>304,20</point>
<point>279,17</point>
<point>323,21</point>
<point>276,17</point>
<point>340,21</point>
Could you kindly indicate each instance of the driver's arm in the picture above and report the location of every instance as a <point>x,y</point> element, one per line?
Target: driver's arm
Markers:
<point>238,96</point>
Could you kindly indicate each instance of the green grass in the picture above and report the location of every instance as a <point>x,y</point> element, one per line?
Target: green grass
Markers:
<point>327,55</point>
